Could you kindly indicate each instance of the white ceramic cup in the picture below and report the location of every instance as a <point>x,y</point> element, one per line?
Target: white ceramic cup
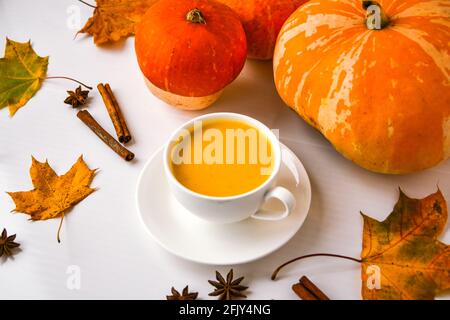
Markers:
<point>232,208</point>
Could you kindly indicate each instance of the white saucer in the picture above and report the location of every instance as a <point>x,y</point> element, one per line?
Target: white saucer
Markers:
<point>185,235</point>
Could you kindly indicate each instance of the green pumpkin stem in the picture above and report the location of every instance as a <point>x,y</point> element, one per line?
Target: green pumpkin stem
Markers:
<point>195,16</point>
<point>373,22</point>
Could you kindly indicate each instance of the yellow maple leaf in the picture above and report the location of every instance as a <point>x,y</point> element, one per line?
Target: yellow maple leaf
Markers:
<point>115,19</point>
<point>21,74</point>
<point>404,253</point>
<point>53,195</point>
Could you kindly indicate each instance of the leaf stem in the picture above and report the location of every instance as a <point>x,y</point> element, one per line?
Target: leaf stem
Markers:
<point>59,228</point>
<point>88,4</point>
<point>277,270</point>
<point>71,79</point>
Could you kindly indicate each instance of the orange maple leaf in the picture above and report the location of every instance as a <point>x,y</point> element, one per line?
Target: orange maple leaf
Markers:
<point>53,195</point>
<point>115,19</point>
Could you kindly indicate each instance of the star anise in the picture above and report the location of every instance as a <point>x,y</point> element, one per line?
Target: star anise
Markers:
<point>77,98</point>
<point>7,244</point>
<point>185,295</point>
<point>229,288</point>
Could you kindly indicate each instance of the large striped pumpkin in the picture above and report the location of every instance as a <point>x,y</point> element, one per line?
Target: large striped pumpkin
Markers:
<point>380,94</point>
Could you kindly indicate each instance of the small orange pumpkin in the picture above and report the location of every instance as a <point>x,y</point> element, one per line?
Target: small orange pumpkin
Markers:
<point>374,78</point>
<point>262,20</point>
<point>190,50</point>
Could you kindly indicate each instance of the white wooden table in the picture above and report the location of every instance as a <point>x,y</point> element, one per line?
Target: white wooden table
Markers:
<point>103,235</point>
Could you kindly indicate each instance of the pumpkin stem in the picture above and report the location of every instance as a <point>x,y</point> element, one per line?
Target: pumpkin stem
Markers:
<point>376,18</point>
<point>195,16</point>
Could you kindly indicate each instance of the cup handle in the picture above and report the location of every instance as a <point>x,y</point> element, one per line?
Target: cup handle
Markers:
<point>287,199</point>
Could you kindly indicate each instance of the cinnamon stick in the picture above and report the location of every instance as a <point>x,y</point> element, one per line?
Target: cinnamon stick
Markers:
<point>303,293</point>
<point>307,290</point>
<point>88,120</point>
<point>117,118</point>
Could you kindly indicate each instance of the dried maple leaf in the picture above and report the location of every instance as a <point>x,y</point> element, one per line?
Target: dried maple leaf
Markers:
<point>21,74</point>
<point>404,248</point>
<point>53,195</point>
<point>185,295</point>
<point>114,19</point>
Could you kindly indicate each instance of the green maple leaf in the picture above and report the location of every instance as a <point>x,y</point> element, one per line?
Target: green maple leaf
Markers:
<point>21,74</point>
